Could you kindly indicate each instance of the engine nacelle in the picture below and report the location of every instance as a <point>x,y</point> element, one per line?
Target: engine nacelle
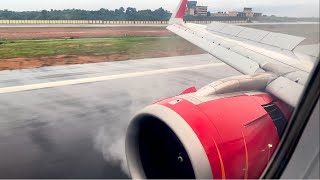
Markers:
<point>221,136</point>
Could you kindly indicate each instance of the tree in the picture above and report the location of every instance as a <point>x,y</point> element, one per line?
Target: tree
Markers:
<point>122,9</point>
<point>131,13</point>
<point>44,15</point>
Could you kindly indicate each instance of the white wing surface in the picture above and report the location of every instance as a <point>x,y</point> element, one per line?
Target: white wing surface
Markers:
<point>252,51</point>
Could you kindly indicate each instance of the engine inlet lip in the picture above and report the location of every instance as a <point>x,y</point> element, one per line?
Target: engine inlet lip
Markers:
<point>183,131</point>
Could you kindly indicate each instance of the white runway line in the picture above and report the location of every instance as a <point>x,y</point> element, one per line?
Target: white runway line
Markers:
<point>101,78</point>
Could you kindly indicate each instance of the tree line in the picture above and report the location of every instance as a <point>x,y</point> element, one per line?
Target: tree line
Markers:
<point>121,14</point>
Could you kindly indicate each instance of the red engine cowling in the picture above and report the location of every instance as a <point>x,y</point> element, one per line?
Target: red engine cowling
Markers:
<point>230,136</point>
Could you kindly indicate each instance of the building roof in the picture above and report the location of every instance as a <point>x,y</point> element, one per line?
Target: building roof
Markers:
<point>192,4</point>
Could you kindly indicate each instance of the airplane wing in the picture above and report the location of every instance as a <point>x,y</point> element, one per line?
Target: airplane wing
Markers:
<point>252,52</point>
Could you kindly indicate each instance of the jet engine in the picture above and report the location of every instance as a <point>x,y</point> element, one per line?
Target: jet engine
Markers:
<point>221,131</point>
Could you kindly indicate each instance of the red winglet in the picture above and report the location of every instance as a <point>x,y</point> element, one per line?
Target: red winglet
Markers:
<point>181,9</point>
<point>177,16</point>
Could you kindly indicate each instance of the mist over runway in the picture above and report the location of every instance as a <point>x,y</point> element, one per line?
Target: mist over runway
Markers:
<point>77,131</point>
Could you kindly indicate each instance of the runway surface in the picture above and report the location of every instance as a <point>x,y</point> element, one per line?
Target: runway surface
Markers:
<point>76,131</point>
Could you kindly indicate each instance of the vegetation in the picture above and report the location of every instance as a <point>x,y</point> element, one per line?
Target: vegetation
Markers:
<point>20,54</point>
<point>131,46</point>
<point>77,14</point>
<point>129,14</point>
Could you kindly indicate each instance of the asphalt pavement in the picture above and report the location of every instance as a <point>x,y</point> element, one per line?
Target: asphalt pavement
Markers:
<point>70,121</point>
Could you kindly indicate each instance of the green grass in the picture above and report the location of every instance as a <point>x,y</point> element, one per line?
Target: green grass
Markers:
<point>85,47</point>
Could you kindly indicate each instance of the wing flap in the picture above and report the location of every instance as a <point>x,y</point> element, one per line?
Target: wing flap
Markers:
<point>240,63</point>
<point>282,41</point>
<point>215,26</point>
<point>257,52</point>
<point>253,34</point>
<point>286,90</point>
<point>232,30</point>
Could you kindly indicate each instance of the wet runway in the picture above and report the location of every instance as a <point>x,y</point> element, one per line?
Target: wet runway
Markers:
<point>76,131</point>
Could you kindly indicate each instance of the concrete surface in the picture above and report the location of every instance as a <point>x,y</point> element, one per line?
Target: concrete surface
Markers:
<point>77,131</point>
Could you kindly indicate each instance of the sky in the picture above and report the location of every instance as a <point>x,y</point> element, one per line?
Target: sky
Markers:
<point>291,8</point>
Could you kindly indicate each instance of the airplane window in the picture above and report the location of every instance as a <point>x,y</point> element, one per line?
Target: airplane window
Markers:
<point>186,89</point>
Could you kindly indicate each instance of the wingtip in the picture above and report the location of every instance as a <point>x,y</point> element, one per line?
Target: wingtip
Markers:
<point>181,9</point>
<point>177,16</point>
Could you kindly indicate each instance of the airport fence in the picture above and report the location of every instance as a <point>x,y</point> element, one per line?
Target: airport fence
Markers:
<point>102,22</point>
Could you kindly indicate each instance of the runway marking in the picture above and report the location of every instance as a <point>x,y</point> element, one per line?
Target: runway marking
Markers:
<point>101,78</point>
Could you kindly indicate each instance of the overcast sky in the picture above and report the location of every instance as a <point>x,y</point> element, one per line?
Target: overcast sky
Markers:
<point>294,8</point>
